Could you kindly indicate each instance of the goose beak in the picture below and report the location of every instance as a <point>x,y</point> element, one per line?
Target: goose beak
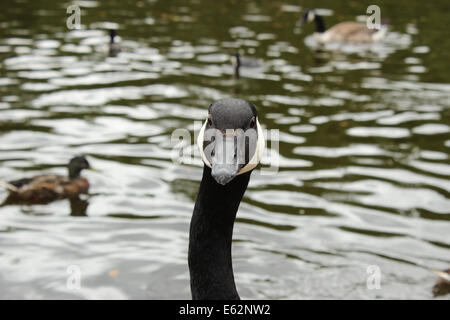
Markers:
<point>300,22</point>
<point>225,161</point>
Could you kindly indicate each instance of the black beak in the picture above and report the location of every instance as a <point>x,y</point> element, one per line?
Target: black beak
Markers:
<point>223,174</point>
<point>301,22</point>
<point>226,160</point>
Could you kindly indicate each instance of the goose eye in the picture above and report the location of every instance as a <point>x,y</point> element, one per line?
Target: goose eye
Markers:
<point>252,123</point>
<point>209,121</point>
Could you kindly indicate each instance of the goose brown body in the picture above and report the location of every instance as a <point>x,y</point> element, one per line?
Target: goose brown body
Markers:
<point>344,32</point>
<point>350,31</point>
<point>442,286</point>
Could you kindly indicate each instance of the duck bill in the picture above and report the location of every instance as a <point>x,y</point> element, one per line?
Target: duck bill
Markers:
<point>226,162</point>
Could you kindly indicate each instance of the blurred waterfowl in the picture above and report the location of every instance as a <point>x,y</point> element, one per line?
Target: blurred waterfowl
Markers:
<point>238,61</point>
<point>114,48</point>
<point>349,31</point>
<point>442,286</point>
<point>228,165</point>
<point>49,187</point>
<point>78,207</point>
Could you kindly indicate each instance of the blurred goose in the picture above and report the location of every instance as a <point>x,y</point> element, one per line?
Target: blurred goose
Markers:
<point>237,61</point>
<point>442,286</point>
<point>114,48</point>
<point>49,187</point>
<point>349,31</point>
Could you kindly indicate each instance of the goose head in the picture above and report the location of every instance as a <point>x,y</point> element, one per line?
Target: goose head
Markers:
<point>231,140</point>
<point>112,35</point>
<point>308,16</point>
<point>236,60</point>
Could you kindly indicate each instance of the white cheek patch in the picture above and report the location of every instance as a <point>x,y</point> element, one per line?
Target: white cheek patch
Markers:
<point>234,61</point>
<point>310,16</point>
<point>200,139</point>
<point>260,146</point>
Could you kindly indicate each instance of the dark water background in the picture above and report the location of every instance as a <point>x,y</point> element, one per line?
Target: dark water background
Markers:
<point>363,153</point>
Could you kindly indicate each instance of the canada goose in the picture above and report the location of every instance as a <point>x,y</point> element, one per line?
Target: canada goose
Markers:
<point>442,286</point>
<point>231,143</point>
<point>49,187</point>
<point>114,48</point>
<point>349,31</point>
<point>237,61</point>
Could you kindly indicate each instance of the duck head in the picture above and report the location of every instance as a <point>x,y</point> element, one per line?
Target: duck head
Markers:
<point>76,165</point>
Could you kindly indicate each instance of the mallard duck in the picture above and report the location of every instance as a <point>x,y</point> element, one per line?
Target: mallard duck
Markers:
<point>49,187</point>
<point>349,31</point>
<point>114,48</point>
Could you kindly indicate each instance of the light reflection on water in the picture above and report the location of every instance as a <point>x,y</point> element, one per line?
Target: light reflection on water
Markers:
<point>364,140</point>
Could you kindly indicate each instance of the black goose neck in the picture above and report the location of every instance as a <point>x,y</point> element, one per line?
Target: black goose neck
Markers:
<point>320,25</point>
<point>237,74</point>
<point>112,35</point>
<point>211,231</point>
